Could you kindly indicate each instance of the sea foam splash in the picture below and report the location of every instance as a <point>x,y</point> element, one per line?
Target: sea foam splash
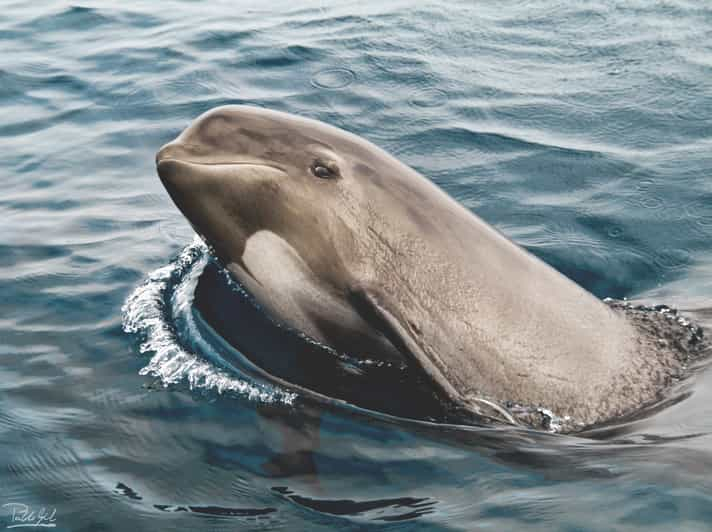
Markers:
<point>153,311</point>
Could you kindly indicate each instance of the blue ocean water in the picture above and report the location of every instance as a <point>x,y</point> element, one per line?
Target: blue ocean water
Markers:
<point>581,130</point>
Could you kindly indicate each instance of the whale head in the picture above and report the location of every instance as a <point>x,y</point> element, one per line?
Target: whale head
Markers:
<point>291,207</point>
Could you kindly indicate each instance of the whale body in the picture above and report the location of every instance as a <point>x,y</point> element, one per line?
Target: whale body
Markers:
<point>335,238</point>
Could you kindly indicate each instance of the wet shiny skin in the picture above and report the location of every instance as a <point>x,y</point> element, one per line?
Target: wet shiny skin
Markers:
<point>354,263</point>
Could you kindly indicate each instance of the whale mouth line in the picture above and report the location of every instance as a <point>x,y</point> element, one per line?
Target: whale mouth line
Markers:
<point>231,163</point>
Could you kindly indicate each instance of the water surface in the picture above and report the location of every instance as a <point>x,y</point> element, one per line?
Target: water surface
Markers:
<point>582,132</point>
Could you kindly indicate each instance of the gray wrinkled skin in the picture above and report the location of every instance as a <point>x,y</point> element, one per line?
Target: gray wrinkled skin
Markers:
<point>378,262</point>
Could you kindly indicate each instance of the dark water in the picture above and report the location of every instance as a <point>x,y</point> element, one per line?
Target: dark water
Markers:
<point>584,133</point>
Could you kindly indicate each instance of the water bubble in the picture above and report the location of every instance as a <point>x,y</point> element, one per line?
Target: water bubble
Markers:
<point>333,78</point>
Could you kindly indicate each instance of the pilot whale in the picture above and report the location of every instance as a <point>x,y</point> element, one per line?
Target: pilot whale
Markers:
<point>335,238</point>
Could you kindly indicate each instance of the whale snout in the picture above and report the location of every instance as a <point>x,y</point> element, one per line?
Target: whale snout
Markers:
<point>168,170</point>
<point>188,152</point>
<point>187,173</point>
<point>168,151</point>
<point>182,161</point>
<point>168,163</point>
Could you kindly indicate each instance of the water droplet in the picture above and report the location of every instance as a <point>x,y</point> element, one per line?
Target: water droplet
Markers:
<point>144,314</point>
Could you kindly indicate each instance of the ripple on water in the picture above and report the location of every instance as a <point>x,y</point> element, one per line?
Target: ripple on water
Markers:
<point>333,78</point>
<point>428,97</point>
<point>220,39</point>
<point>615,231</point>
<point>700,212</point>
<point>174,230</point>
<point>150,313</point>
<point>72,18</point>
<point>673,258</point>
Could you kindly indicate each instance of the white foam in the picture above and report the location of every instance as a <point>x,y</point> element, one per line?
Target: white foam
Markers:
<point>151,310</point>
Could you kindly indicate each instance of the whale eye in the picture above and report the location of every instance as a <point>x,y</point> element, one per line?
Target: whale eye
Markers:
<point>324,170</point>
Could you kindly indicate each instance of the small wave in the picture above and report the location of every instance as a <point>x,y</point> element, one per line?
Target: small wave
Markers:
<point>150,312</point>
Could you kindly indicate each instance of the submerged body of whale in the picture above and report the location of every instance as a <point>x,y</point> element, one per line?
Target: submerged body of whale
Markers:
<point>337,239</point>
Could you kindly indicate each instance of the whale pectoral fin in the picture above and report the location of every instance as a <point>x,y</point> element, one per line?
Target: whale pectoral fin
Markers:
<point>375,313</point>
